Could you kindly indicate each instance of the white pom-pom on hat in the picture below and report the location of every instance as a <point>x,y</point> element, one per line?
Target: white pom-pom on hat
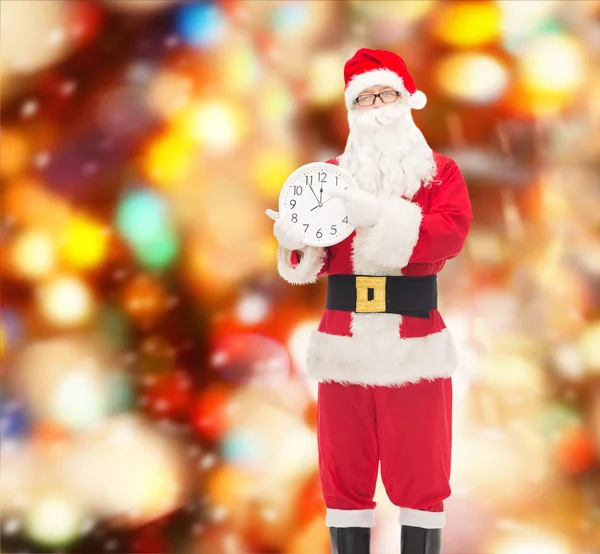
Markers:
<point>417,100</point>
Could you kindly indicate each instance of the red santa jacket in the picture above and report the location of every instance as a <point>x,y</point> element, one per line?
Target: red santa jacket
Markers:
<point>412,237</point>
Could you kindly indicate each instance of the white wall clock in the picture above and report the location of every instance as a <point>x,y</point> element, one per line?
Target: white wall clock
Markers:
<point>305,201</point>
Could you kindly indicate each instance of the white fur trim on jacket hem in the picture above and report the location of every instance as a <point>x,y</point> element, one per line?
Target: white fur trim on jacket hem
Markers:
<point>307,269</point>
<point>350,518</point>
<point>391,241</point>
<point>421,518</point>
<point>381,361</point>
<point>382,77</point>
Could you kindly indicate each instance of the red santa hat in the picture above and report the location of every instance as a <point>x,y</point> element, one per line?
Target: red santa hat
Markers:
<point>368,68</point>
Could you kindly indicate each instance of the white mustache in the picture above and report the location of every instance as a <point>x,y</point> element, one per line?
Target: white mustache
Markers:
<point>376,118</point>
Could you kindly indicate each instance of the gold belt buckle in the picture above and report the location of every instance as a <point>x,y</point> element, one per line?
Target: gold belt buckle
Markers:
<point>363,284</point>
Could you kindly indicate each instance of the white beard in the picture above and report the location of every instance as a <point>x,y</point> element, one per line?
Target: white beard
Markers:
<point>386,152</point>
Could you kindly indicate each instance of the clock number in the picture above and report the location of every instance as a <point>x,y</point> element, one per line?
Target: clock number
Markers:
<point>345,220</point>
<point>306,226</point>
<point>294,218</point>
<point>297,190</point>
<point>319,234</point>
<point>333,229</point>
<point>309,180</point>
<point>322,176</point>
<point>292,203</point>
<point>336,180</point>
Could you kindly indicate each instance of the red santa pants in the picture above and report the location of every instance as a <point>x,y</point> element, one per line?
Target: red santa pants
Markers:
<point>408,429</point>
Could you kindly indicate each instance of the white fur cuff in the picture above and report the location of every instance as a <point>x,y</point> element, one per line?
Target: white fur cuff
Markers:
<point>421,518</point>
<point>350,518</point>
<point>307,269</point>
<point>391,241</point>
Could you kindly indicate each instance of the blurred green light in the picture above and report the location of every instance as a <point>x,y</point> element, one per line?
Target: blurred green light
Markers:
<point>160,252</point>
<point>121,396</point>
<point>141,216</point>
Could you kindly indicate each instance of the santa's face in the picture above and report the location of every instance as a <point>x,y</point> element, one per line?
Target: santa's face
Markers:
<point>386,152</point>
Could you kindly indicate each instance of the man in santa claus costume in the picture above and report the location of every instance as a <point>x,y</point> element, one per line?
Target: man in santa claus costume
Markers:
<point>384,363</point>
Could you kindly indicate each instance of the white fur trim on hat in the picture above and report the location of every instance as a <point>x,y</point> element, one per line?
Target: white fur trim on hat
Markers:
<point>382,77</point>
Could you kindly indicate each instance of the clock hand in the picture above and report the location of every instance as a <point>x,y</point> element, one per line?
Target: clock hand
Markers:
<point>320,205</point>
<point>314,194</point>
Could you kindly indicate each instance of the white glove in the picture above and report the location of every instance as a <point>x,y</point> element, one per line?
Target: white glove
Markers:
<point>288,235</point>
<point>362,207</point>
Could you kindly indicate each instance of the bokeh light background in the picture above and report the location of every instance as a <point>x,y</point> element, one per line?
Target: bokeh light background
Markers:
<point>154,396</point>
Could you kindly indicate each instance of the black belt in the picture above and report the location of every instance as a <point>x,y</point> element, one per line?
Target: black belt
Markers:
<point>412,296</point>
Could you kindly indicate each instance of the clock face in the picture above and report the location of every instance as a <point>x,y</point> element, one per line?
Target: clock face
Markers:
<point>305,201</point>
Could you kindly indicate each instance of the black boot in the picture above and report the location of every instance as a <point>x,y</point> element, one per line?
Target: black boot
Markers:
<point>350,540</point>
<point>416,540</point>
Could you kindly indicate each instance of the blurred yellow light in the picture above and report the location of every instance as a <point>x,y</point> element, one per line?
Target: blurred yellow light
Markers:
<point>275,103</point>
<point>552,64</point>
<point>268,252</point>
<point>67,382</point>
<point>84,243</point>
<point>217,125</point>
<point>65,301</point>
<point>168,159</point>
<point>270,169</point>
<point>125,449</point>
<point>323,78</point>
<point>34,36</point>
<point>399,13</point>
<point>514,376</point>
<point>589,344</point>
<point>33,254</point>
<point>239,66</point>
<point>54,520</point>
<point>230,487</point>
<point>468,23</point>
<point>532,544</point>
<point>14,152</point>
<point>162,492</point>
<point>314,536</point>
<point>168,93</point>
<point>471,77</point>
<point>519,462</point>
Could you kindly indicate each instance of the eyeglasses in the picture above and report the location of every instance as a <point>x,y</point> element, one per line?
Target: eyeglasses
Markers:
<point>387,97</point>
